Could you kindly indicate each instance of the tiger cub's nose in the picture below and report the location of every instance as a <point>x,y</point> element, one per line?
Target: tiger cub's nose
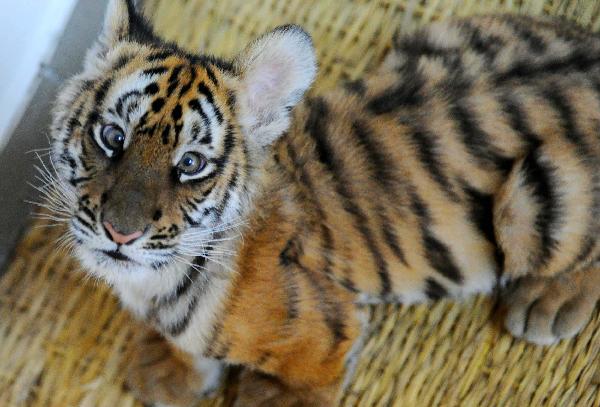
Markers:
<point>120,238</point>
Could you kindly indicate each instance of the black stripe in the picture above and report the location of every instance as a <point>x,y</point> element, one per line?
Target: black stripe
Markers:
<point>437,253</point>
<point>316,127</point>
<point>391,238</point>
<point>406,93</point>
<point>159,56</point>
<point>578,60</point>
<point>476,141</point>
<point>567,118</point>
<point>101,92</point>
<point>481,214</point>
<point>180,326</point>
<point>439,257</point>
<point>197,107</point>
<point>538,176</point>
<point>383,167</point>
<point>228,145</point>
<point>518,121</point>
<point>175,74</point>
<point>485,44</point>
<point>172,81</point>
<point>569,123</point>
<point>326,235</point>
<point>204,90</point>
<point>88,212</point>
<point>184,286</point>
<point>159,70</point>
<point>356,87</point>
<point>385,174</point>
<point>329,307</point>
<point>211,75</point>
<point>121,62</point>
<point>185,88</point>
<point>176,112</point>
<point>157,105</point>
<point>178,128</point>
<point>165,134</point>
<point>151,89</point>
<point>427,152</point>
<point>84,223</point>
<point>121,101</point>
<point>287,257</point>
<point>434,290</point>
<point>521,27</point>
<point>76,181</point>
<point>187,218</point>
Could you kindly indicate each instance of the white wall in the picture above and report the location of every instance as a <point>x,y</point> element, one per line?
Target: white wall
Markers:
<point>29,31</point>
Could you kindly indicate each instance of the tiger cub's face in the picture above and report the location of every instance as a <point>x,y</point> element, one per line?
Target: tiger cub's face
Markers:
<point>155,148</point>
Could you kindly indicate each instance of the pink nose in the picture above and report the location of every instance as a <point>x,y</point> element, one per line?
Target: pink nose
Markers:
<point>120,238</point>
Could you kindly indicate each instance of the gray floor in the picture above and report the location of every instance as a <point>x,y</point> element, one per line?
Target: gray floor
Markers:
<point>16,167</point>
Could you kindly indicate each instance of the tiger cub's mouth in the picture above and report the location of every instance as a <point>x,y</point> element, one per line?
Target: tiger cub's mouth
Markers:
<point>116,255</point>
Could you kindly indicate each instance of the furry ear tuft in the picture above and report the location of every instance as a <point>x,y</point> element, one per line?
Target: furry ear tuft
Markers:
<point>123,22</point>
<point>274,73</point>
<point>116,22</point>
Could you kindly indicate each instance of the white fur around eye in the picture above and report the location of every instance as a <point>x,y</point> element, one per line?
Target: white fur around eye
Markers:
<point>98,139</point>
<point>208,168</point>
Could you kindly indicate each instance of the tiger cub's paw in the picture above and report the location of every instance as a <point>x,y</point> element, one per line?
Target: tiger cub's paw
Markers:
<point>259,390</point>
<point>545,310</point>
<point>158,375</point>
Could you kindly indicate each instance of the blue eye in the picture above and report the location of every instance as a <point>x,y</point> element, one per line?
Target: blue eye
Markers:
<point>191,163</point>
<point>113,138</point>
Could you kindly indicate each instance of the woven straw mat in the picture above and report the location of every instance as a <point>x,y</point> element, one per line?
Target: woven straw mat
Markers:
<point>65,342</point>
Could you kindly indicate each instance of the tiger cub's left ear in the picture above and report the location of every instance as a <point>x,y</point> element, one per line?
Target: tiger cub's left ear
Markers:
<point>274,72</point>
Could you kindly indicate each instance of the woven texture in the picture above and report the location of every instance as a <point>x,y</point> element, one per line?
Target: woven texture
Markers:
<point>65,342</point>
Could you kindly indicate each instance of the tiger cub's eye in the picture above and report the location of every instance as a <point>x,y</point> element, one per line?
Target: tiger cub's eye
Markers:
<point>113,138</point>
<point>191,163</point>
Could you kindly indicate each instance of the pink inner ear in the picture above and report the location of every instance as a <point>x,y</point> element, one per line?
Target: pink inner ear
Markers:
<point>265,82</point>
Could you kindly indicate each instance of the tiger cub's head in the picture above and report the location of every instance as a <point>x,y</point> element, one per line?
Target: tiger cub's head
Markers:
<point>154,147</point>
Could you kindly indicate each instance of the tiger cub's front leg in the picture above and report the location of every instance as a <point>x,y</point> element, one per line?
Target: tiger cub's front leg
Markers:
<point>158,373</point>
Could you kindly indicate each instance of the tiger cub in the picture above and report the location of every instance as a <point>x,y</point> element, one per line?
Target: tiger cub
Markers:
<point>246,224</point>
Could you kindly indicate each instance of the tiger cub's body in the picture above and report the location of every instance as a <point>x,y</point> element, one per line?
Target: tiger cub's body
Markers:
<point>469,158</point>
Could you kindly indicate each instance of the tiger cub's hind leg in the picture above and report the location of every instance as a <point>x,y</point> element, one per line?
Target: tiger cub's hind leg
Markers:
<point>543,218</point>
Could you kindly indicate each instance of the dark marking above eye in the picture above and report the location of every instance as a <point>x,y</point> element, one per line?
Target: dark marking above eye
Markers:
<point>152,89</point>
<point>122,61</point>
<point>211,75</point>
<point>159,56</point>
<point>175,73</point>
<point>176,113</point>
<point>165,134</point>
<point>123,99</point>
<point>159,70</point>
<point>104,198</point>
<point>178,128</point>
<point>157,105</point>
<point>206,139</point>
<point>203,90</point>
<point>157,215</point>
